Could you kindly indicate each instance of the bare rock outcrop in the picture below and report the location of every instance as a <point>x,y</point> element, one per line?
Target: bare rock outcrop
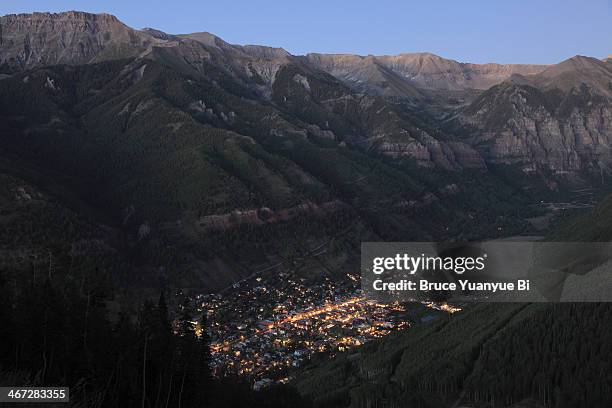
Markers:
<point>560,119</point>
<point>265,215</point>
<point>31,40</point>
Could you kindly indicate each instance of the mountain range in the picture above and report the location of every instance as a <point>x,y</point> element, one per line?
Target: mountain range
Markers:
<point>180,142</point>
<point>553,118</point>
<point>77,38</point>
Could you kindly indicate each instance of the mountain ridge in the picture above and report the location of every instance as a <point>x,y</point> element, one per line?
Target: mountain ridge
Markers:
<point>188,145</point>
<point>430,71</point>
<point>76,37</point>
<point>495,104</point>
<point>414,68</point>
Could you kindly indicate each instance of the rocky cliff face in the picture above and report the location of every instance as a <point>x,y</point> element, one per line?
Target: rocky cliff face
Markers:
<point>560,119</point>
<point>29,40</point>
<point>42,39</point>
<point>365,74</point>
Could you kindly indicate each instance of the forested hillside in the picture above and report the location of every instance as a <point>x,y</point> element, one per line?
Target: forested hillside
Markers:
<point>188,171</point>
<point>490,355</point>
<point>592,226</point>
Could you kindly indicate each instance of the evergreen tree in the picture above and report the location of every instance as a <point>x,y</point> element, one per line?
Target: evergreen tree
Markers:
<point>7,328</point>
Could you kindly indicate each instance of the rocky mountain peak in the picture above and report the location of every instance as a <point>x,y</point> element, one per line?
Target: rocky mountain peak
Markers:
<point>420,62</point>
<point>260,51</point>
<point>577,62</point>
<point>156,33</point>
<point>207,39</point>
<point>576,72</point>
<point>73,37</point>
<point>70,20</point>
<point>561,120</point>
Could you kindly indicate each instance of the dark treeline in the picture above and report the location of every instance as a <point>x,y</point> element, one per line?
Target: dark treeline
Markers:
<point>510,355</point>
<point>560,357</point>
<point>62,336</point>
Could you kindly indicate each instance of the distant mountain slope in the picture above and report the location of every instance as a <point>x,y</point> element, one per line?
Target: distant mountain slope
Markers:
<point>365,74</point>
<point>193,167</point>
<point>559,120</point>
<point>404,74</point>
<point>433,72</point>
<point>594,226</point>
<point>551,119</point>
<point>575,72</point>
<point>30,40</point>
<point>34,40</point>
<point>329,108</point>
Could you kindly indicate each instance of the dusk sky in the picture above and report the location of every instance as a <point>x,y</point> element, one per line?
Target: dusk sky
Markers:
<point>518,31</point>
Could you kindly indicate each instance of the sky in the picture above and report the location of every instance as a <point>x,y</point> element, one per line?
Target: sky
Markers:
<point>479,31</point>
